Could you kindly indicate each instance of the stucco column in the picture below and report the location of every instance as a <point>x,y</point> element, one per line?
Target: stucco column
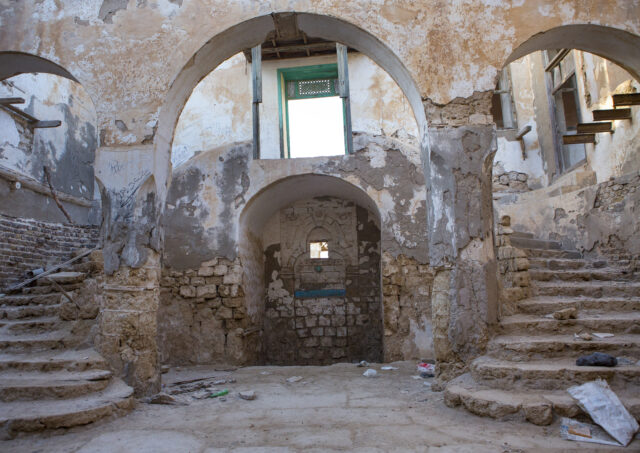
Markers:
<point>461,248</point>
<point>127,327</point>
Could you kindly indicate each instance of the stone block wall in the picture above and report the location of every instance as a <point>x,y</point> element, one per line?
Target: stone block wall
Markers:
<point>202,315</point>
<point>511,181</point>
<point>27,244</point>
<point>514,283</point>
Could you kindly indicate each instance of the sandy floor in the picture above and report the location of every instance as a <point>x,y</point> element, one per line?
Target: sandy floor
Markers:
<point>332,408</point>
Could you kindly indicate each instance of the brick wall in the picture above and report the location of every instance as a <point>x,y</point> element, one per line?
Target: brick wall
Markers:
<point>27,244</point>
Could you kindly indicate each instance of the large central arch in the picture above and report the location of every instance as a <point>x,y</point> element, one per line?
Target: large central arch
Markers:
<point>252,32</point>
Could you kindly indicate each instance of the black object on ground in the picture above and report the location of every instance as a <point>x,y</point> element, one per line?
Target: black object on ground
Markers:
<point>597,359</point>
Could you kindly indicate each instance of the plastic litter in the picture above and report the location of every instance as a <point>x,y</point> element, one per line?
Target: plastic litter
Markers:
<point>602,335</point>
<point>585,432</point>
<point>248,395</point>
<point>364,363</point>
<point>370,373</point>
<point>597,359</point>
<point>604,407</point>
<point>293,379</point>
<point>625,361</point>
<point>388,368</point>
<point>586,336</point>
<point>426,369</point>
<point>220,393</point>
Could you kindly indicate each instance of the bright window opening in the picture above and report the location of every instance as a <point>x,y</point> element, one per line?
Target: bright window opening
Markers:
<point>312,121</point>
<point>319,250</point>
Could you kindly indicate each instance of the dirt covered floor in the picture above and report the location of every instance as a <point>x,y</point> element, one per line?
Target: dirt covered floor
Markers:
<point>332,408</point>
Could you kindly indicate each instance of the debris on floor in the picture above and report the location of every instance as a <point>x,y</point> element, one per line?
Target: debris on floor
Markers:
<point>389,368</point>
<point>220,393</point>
<point>597,359</point>
<point>626,361</point>
<point>370,373</point>
<point>567,313</point>
<point>248,395</point>
<point>602,335</point>
<point>605,409</point>
<point>426,369</point>
<point>586,336</point>
<point>293,379</point>
<point>364,363</point>
<point>585,432</point>
<point>164,398</point>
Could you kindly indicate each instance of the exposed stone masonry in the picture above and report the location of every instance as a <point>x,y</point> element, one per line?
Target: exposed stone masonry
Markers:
<point>514,283</point>
<point>511,181</point>
<point>27,244</point>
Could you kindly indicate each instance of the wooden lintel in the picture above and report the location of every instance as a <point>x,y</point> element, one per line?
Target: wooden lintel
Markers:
<point>299,48</point>
<point>594,128</point>
<point>626,99</point>
<point>612,114</point>
<point>578,138</point>
<point>46,124</point>
<point>8,101</point>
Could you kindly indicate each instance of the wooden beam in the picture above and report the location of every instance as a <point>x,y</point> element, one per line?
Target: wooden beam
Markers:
<point>612,114</point>
<point>578,138</point>
<point>7,101</point>
<point>315,46</point>
<point>47,124</point>
<point>256,80</point>
<point>594,128</point>
<point>626,99</point>
<point>34,122</point>
<point>343,91</point>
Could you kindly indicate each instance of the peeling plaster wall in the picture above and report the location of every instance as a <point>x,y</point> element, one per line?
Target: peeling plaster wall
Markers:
<point>68,150</point>
<point>219,110</point>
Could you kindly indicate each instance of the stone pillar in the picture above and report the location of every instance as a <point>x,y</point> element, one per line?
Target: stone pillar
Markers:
<point>127,323</point>
<point>464,303</point>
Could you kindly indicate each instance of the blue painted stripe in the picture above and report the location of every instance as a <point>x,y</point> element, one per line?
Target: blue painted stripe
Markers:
<point>316,293</point>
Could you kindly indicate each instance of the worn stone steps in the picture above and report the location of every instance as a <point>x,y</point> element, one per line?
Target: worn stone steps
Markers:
<point>587,289</point>
<point>32,343</point>
<point>48,289</point>
<point>21,300</point>
<point>606,274</point>
<point>533,347</point>
<point>30,325</point>
<point>535,406</point>
<point>612,322</point>
<point>552,253</point>
<point>31,416</point>
<point>542,305</point>
<point>36,385</point>
<point>29,311</point>
<point>533,243</point>
<point>549,374</point>
<point>564,263</point>
<point>55,360</point>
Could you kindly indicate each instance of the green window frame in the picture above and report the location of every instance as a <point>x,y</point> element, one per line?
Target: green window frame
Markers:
<point>304,82</point>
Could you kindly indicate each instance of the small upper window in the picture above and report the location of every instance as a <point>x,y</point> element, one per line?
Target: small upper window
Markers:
<point>319,250</point>
<point>311,112</point>
<point>502,102</point>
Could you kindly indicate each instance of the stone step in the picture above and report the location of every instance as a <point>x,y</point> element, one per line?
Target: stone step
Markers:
<point>36,385</point>
<point>564,263</point>
<point>30,325</point>
<point>56,360</point>
<point>523,348</point>
<point>62,278</point>
<point>48,289</point>
<point>20,300</point>
<point>532,243</point>
<point>535,406</point>
<point>522,234</point>
<point>549,374</point>
<point>552,253</point>
<point>32,343</point>
<point>606,274</point>
<point>595,289</point>
<point>33,416</point>
<point>589,321</point>
<point>29,311</point>
<point>543,305</point>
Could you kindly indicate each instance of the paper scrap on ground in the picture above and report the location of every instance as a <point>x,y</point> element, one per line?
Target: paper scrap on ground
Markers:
<point>387,368</point>
<point>602,335</point>
<point>294,379</point>
<point>605,408</point>
<point>585,432</point>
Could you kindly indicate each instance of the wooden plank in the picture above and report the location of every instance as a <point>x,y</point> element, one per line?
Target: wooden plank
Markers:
<point>46,124</point>
<point>22,113</point>
<point>343,91</point>
<point>578,138</point>
<point>299,48</point>
<point>6,101</point>
<point>256,79</point>
<point>626,99</point>
<point>594,128</point>
<point>612,114</point>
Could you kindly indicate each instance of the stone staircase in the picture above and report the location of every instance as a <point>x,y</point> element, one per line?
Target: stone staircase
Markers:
<point>50,376</point>
<point>530,362</point>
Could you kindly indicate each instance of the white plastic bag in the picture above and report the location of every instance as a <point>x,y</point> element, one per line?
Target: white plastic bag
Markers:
<point>604,407</point>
